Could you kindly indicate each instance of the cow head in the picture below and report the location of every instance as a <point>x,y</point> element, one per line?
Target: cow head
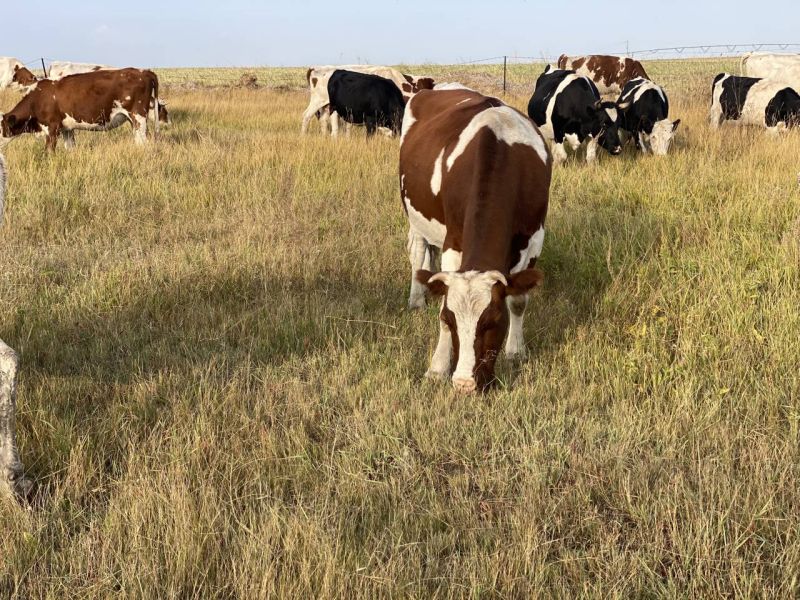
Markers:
<point>11,126</point>
<point>661,135</point>
<point>475,312</point>
<point>23,79</point>
<point>603,123</point>
<point>163,114</point>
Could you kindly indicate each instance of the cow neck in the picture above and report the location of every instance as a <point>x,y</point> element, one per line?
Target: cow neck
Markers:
<point>486,240</point>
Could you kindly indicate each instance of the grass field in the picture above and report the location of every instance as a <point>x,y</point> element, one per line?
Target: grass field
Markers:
<point>221,391</point>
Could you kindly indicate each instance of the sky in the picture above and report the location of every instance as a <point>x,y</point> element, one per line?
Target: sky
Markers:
<point>184,33</point>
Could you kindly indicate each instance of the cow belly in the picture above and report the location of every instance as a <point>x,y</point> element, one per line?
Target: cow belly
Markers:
<point>432,230</point>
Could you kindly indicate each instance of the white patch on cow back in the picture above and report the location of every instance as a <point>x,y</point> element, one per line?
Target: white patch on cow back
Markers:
<point>408,121</point>
<point>436,179</point>
<point>547,129</point>
<point>532,250</point>
<point>508,126</point>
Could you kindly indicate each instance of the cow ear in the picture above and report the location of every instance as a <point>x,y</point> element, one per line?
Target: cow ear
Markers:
<point>436,284</point>
<point>524,281</point>
<point>675,124</point>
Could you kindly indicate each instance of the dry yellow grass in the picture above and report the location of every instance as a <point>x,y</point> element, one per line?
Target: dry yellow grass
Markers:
<point>221,388</point>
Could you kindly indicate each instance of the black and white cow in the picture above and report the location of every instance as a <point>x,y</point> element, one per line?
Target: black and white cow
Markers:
<point>753,101</point>
<point>567,108</point>
<point>366,99</point>
<point>646,114</point>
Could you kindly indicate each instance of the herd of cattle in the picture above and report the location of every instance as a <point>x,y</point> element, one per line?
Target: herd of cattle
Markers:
<point>474,173</point>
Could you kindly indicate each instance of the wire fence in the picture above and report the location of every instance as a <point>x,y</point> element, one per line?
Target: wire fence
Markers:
<point>687,67</point>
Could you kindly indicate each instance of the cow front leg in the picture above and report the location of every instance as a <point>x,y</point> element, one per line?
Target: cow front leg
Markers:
<point>443,355</point>
<point>419,257</point>
<point>515,342</point>
<point>559,153</point>
<point>591,150</point>
<point>69,138</point>
<point>139,123</point>
<point>642,142</point>
<point>372,126</point>
<point>52,138</point>
<point>12,479</point>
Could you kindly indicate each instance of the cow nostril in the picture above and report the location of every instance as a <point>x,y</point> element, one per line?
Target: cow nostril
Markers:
<point>465,386</point>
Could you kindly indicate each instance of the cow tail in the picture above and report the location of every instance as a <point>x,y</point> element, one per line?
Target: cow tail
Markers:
<point>154,92</point>
<point>743,62</point>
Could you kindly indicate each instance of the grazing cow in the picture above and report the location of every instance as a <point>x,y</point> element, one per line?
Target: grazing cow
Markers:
<point>96,101</point>
<point>783,67</point>
<point>567,108</point>
<point>318,77</point>
<point>61,68</point>
<point>609,73</point>
<point>12,480</point>
<point>450,85</point>
<point>365,99</point>
<point>14,75</point>
<point>645,116</point>
<point>474,181</point>
<point>752,101</point>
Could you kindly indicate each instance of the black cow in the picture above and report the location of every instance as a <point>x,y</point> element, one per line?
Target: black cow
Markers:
<point>767,103</point>
<point>645,115</point>
<point>368,99</point>
<point>567,107</point>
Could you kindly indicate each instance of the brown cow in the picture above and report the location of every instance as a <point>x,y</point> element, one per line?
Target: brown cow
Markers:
<point>96,101</point>
<point>474,180</point>
<point>15,75</point>
<point>609,73</point>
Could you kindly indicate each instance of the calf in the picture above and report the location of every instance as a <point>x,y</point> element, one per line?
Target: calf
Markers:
<point>12,480</point>
<point>782,67</point>
<point>318,77</point>
<point>368,99</point>
<point>474,181</point>
<point>609,73</point>
<point>96,101</point>
<point>15,75</point>
<point>753,101</point>
<point>645,116</point>
<point>567,108</point>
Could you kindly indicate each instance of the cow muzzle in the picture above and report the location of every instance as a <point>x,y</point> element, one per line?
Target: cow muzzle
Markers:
<point>465,385</point>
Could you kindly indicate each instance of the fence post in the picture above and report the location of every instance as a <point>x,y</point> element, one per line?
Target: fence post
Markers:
<point>505,62</point>
<point>44,69</point>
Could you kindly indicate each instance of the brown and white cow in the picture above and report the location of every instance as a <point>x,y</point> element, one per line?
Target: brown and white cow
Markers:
<point>12,480</point>
<point>609,73</point>
<point>474,180</point>
<point>62,68</point>
<point>319,101</point>
<point>15,75</point>
<point>96,101</point>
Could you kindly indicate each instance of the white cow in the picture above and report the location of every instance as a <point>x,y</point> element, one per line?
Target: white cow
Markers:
<point>15,75</point>
<point>12,479</point>
<point>781,67</point>
<point>318,86</point>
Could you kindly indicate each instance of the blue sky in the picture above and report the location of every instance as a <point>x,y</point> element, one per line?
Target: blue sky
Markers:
<point>301,32</point>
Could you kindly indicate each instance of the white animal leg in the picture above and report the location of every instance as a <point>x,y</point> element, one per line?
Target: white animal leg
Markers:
<point>440,362</point>
<point>307,116</point>
<point>139,129</point>
<point>515,343</point>
<point>418,255</point>
<point>69,138</point>
<point>12,479</point>
<point>591,150</point>
<point>559,153</point>
<point>715,116</point>
<point>643,142</point>
<point>334,124</point>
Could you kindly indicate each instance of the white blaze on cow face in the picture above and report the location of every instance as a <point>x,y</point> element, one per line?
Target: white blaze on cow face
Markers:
<point>468,296</point>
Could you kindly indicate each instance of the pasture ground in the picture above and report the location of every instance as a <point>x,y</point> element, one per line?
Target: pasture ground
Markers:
<point>221,391</point>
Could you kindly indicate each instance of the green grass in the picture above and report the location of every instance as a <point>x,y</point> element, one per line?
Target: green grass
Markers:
<point>221,391</point>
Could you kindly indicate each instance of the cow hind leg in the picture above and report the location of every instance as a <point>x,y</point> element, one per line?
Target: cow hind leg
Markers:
<point>372,126</point>
<point>12,480</point>
<point>139,123</point>
<point>559,153</point>
<point>334,124</point>
<point>69,138</point>
<point>419,256</point>
<point>515,342</point>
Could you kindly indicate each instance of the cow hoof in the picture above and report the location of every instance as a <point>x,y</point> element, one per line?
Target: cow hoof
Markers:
<point>517,356</point>
<point>416,303</point>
